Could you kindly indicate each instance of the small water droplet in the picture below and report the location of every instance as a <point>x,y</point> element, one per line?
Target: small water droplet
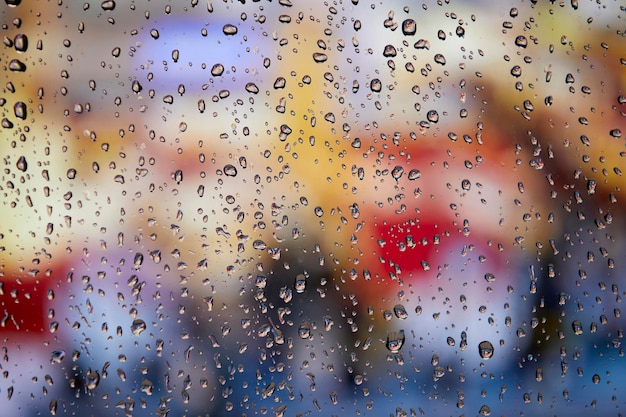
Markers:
<point>485,349</point>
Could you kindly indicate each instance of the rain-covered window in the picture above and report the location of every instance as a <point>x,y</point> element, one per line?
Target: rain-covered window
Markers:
<point>293,208</point>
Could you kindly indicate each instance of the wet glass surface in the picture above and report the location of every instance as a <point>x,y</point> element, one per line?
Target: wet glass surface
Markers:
<point>312,208</point>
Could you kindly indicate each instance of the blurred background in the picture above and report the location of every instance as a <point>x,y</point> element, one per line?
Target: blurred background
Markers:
<point>289,208</point>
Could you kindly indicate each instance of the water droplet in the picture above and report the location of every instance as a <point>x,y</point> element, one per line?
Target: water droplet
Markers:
<point>395,340</point>
<point>138,260</point>
<point>21,164</point>
<point>397,172</point>
<point>229,29</point>
<point>230,170</point>
<point>432,116</point>
<point>319,57</point>
<point>414,174</point>
<point>280,83</point>
<point>57,356</point>
<point>484,410</point>
<point>389,51</point>
<point>136,87</point>
<point>259,245</point>
<point>217,70</point>
<point>485,349</point>
<point>328,323</point>
<point>154,33</point>
<point>409,27</point>
<point>138,327</point>
<point>252,88</point>
<point>17,65</point>
<point>20,110</point>
<point>577,327</point>
<point>147,387</point>
<point>20,42</point>
<point>440,59</point>
<point>400,311</point>
<point>521,41</point>
<point>300,284</point>
<point>108,5</point>
<point>489,277</point>
<point>376,85</point>
<point>319,212</point>
<point>304,330</point>
<point>92,380</point>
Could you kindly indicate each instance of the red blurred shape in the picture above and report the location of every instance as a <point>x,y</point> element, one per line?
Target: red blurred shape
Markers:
<point>22,307</point>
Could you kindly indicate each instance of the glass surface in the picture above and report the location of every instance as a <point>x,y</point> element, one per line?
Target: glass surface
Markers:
<point>293,208</point>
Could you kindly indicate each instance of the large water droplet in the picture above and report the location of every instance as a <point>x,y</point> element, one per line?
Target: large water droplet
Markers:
<point>229,29</point>
<point>217,70</point>
<point>400,311</point>
<point>252,88</point>
<point>92,380</point>
<point>319,57</point>
<point>21,164</point>
<point>20,42</point>
<point>409,27</point>
<point>108,5</point>
<point>57,356</point>
<point>395,341</point>
<point>138,327</point>
<point>17,65</point>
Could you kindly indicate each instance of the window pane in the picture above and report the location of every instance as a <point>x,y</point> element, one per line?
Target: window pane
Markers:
<point>290,208</point>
